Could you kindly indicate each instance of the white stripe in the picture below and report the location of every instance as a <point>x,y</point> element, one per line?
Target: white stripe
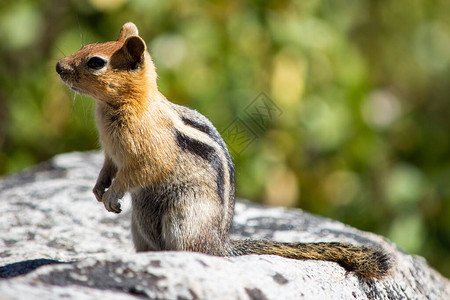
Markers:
<point>206,139</point>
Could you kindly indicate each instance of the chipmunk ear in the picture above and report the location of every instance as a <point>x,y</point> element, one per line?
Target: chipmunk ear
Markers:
<point>135,47</point>
<point>127,30</point>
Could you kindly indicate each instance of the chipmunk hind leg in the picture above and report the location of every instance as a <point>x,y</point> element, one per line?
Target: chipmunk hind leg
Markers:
<point>366,262</point>
<point>140,244</point>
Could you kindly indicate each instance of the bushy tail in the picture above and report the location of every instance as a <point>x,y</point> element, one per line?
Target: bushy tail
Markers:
<point>367,262</point>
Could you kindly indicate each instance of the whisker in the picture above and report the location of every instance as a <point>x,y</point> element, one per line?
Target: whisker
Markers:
<point>83,107</point>
<point>73,101</point>
<point>62,52</point>
<point>81,32</point>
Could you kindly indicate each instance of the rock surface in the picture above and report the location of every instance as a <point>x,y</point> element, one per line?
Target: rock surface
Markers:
<point>58,242</point>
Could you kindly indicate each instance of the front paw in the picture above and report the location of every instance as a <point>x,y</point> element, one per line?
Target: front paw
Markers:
<point>111,201</point>
<point>99,191</point>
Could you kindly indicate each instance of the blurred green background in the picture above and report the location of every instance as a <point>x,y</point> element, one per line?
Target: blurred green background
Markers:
<point>361,88</point>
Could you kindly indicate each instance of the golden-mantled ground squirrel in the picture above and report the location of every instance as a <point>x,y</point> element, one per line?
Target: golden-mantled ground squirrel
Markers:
<point>173,162</point>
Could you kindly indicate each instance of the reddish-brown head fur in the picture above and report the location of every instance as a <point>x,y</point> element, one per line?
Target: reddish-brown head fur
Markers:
<point>114,72</point>
<point>132,117</point>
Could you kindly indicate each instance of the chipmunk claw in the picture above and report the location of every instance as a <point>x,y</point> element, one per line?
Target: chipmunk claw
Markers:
<point>116,208</point>
<point>111,202</point>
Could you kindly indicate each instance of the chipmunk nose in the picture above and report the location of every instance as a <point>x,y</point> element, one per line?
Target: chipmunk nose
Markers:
<point>59,68</point>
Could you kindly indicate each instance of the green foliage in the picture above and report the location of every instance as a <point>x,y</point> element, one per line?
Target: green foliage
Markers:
<point>358,92</point>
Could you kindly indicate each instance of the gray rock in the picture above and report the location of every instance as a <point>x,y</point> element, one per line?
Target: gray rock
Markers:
<point>58,242</point>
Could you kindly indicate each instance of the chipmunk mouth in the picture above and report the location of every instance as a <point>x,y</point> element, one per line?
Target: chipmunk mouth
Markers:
<point>71,85</point>
<point>76,89</point>
<point>67,79</point>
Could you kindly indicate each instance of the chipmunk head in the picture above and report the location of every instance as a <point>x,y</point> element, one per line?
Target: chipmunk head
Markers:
<point>112,72</point>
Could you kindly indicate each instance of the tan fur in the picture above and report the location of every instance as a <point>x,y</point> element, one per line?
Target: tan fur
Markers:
<point>173,162</point>
<point>129,97</point>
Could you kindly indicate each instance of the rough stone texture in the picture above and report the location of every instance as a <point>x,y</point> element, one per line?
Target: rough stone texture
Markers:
<point>58,242</point>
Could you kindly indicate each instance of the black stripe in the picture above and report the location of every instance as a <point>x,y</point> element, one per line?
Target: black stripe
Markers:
<point>199,126</point>
<point>207,153</point>
<point>205,128</point>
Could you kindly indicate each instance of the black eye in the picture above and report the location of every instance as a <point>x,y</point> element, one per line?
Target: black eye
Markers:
<point>96,63</point>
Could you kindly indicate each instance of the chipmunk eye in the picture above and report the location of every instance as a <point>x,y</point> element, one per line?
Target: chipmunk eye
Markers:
<point>96,63</point>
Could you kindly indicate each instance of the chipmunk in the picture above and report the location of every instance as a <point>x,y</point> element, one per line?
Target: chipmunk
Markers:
<point>174,163</point>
